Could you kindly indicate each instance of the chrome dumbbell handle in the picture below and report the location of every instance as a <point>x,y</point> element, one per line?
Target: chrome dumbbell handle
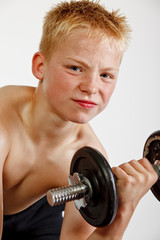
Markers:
<point>79,190</point>
<point>62,195</point>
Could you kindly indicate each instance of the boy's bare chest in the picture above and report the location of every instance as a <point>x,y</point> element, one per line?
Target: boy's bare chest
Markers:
<point>31,171</point>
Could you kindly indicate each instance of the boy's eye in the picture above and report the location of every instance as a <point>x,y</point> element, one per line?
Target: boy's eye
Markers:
<point>75,68</point>
<point>105,75</point>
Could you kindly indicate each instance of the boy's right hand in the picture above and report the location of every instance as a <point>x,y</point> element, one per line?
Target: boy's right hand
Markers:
<point>134,179</point>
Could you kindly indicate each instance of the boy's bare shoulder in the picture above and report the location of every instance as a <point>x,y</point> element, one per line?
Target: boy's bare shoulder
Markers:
<point>12,92</point>
<point>11,97</point>
<point>91,140</point>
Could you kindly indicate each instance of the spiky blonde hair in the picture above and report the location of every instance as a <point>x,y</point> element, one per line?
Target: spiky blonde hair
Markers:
<point>63,19</point>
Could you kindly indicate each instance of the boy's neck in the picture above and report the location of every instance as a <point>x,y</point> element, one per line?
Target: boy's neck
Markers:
<point>44,125</point>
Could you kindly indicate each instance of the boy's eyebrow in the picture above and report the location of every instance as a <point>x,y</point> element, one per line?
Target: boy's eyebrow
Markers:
<point>79,61</point>
<point>88,66</point>
<point>110,69</point>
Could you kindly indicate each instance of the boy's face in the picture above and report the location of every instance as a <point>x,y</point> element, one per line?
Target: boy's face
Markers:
<point>80,77</point>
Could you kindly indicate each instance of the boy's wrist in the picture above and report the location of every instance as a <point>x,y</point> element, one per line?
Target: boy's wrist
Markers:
<point>116,229</point>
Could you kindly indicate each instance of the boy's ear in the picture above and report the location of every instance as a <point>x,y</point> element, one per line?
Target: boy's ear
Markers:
<point>38,65</point>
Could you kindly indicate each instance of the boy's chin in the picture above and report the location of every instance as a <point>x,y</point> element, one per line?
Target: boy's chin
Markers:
<point>83,120</point>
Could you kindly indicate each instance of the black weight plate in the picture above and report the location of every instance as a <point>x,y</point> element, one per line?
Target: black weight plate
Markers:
<point>152,153</point>
<point>102,207</point>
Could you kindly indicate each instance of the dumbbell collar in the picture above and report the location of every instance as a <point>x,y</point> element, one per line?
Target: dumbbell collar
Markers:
<point>87,193</point>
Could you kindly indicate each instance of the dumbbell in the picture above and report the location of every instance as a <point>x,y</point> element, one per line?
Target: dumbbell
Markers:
<point>92,184</point>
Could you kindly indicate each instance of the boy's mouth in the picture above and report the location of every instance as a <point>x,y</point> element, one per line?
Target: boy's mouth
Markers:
<point>85,103</point>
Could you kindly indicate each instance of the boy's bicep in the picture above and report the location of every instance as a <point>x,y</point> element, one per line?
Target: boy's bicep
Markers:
<point>74,226</point>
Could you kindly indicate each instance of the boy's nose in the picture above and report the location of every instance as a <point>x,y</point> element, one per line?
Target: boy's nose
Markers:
<point>89,86</point>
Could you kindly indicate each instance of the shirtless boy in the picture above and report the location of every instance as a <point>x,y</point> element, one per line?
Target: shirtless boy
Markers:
<point>41,128</point>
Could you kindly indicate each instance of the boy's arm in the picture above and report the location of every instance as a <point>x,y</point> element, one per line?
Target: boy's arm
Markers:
<point>4,150</point>
<point>134,179</point>
<point>74,226</point>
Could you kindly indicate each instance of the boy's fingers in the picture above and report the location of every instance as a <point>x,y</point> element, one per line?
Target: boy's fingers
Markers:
<point>140,170</point>
<point>119,173</point>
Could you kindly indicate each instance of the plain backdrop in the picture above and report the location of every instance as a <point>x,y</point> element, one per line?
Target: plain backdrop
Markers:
<point>134,110</point>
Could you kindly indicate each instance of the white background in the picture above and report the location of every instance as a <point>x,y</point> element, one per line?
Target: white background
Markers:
<point>134,111</point>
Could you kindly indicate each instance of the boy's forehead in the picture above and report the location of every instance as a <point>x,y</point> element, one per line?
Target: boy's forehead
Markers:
<point>80,38</point>
<point>81,47</point>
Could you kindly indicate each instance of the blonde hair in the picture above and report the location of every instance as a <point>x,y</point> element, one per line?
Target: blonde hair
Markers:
<point>88,14</point>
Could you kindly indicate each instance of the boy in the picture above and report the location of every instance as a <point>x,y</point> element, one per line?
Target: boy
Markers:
<point>41,128</point>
